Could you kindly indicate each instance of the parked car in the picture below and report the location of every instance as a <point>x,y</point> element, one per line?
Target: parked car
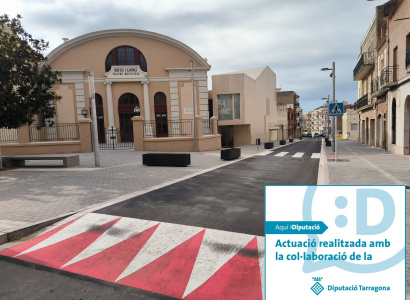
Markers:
<point>309,135</point>
<point>316,135</point>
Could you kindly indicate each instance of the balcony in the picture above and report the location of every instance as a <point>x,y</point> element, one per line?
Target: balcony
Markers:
<point>388,77</point>
<point>362,102</point>
<point>364,66</point>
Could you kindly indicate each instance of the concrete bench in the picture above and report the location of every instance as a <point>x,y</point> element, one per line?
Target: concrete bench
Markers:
<point>20,160</point>
<point>166,159</point>
<point>230,154</point>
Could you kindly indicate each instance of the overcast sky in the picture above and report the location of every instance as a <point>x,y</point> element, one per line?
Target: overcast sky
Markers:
<point>295,38</point>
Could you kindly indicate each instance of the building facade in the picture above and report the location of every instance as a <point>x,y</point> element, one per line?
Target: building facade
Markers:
<point>245,104</point>
<point>135,72</point>
<point>350,123</point>
<point>383,77</point>
<point>288,108</point>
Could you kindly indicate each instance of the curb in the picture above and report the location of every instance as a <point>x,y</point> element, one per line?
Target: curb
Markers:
<point>323,173</point>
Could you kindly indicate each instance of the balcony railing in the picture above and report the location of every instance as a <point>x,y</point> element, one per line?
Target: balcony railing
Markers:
<point>207,127</point>
<point>363,66</point>
<point>407,58</point>
<point>173,128</point>
<point>389,76</point>
<point>363,101</point>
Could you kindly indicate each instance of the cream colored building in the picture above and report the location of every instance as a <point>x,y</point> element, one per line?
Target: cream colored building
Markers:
<point>350,121</point>
<point>383,77</point>
<point>245,104</point>
<point>132,69</point>
<point>398,94</point>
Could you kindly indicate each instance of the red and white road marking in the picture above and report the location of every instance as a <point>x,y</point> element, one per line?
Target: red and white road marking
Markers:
<point>180,261</point>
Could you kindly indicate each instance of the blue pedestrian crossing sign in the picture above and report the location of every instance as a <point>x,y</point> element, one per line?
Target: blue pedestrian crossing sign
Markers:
<point>335,109</point>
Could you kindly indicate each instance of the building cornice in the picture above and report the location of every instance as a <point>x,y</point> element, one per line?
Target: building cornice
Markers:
<point>125,32</point>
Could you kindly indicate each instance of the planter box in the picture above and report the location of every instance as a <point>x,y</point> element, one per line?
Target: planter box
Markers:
<point>290,140</point>
<point>269,145</point>
<point>230,154</point>
<point>166,159</point>
<point>282,142</point>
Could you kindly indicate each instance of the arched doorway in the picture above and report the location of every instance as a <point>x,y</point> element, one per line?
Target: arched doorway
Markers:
<point>393,122</point>
<point>160,108</point>
<point>379,131</point>
<point>367,132</point>
<point>100,118</point>
<point>126,105</point>
<point>407,126</point>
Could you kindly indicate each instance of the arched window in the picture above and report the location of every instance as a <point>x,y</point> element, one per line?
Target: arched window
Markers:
<point>128,98</point>
<point>393,122</point>
<point>125,56</point>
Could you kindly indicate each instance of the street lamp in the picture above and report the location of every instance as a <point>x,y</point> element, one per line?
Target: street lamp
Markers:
<point>137,111</point>
<point>84,112</point>
<point>334,120</point>
<point>327,116</point>
<point>193,99</point>
<point>94,118</point>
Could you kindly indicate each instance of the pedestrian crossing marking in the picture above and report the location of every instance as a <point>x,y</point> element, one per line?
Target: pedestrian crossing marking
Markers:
<point>264,153</point>
<point>298,154</point>
<point>169,259</point>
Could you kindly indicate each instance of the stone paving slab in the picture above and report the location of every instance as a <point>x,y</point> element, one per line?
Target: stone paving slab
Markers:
<point>364,165</point>
<point>43,191</point>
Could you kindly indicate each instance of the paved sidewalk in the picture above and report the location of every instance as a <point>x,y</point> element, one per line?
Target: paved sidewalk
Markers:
<point>35,197</point>
<point>358,164</point>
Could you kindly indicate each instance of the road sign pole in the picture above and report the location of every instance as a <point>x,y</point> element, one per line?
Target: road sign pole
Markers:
<point>336,140</point>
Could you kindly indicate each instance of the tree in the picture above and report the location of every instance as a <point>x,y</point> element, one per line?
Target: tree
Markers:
<point>26,81</point>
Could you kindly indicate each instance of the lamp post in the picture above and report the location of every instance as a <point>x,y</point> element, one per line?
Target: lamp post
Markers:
<point>193,100</point>
<point>327,115</point>
<point>94,118</point>
<point>334,120</point>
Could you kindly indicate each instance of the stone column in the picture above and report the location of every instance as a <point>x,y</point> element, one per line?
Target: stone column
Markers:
<point>147,111</point>
<point>214,124</point>
<point>24,134</point>
<point>110,105</point>
<point>138,127</point>
<point>85,135</point>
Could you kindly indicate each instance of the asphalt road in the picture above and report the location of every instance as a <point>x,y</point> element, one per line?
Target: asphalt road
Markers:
<point>230,198</point>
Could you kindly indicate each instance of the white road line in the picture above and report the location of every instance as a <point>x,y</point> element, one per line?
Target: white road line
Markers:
<point>216,249</point>
<point>264,153</point>
<point>281,154</point>
<point>298,154</point>
<point>120,231</point>
<point>315,155</point>
<point>82,225</point>
<point>165,238</point>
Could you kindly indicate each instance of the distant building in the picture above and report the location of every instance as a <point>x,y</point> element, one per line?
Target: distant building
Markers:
<point>350,122</point>
<point>288,108</point>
